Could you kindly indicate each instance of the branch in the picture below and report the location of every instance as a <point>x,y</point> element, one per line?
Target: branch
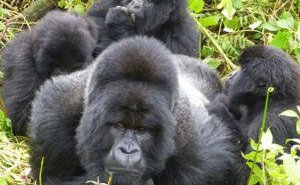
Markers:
<point>38,9</point>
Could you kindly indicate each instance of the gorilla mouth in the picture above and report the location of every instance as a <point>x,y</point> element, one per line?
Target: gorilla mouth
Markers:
<point>124,172</point>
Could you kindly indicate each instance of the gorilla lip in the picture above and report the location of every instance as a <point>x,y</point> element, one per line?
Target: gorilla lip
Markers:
<point>120,171</point>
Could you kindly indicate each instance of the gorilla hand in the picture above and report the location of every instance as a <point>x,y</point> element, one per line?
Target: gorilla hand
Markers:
<point>120,22</point>
<point>135,8</point>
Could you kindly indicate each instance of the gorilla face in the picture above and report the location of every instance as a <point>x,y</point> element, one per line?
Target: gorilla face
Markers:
<point>132,132</point>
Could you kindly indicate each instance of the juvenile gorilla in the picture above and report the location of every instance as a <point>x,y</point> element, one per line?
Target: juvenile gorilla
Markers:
<point>262,67</point>
<point>166,20</point>
<point>138,112</point>
<point>65,42</point>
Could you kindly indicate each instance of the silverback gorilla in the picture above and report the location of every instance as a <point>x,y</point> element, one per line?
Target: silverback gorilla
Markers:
<point>138,113</point>
<point>62,42</point>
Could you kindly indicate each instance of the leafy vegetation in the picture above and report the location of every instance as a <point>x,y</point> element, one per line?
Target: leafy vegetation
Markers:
<point>227,27</point>
<point>75,5</point>
<point>269,162</point>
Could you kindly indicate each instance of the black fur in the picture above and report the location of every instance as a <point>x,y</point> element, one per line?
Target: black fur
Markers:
<point>245,94</point>
<point>136,82</point>
<point>40,53</point>
<point>64,42</point>
<point>263,67</point>
<point>166,20</point>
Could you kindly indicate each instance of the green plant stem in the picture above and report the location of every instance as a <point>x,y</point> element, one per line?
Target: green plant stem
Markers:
<point>203,30</point>
<point>262,128</point>
<point>41,171</point>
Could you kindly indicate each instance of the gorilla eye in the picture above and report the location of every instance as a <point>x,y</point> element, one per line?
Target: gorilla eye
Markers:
<point>140,129</point>
<point>261,83</point>
<point>119,125</point>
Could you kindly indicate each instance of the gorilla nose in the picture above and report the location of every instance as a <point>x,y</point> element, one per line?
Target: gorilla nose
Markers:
<point>128,154</point>
<point>129,149</point>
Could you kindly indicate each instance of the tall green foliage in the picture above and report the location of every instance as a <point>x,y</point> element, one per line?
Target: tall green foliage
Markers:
<point>228,26</point>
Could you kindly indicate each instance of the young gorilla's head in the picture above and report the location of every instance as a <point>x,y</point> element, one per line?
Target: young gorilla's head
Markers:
<point>127,127</point>
<point>74,39</point>
<point>151,14</point>
<point>263,67</point>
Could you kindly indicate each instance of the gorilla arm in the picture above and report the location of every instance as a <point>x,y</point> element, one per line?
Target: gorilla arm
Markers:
<point>56,114</point>
<point>182,37</point>
<point>113,23</point>
<point>206,154</point>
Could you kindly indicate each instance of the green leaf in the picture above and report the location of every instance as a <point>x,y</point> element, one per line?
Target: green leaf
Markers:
<point>207,51</point>
<point>61,4</point>
<point>270,26</point>
<point>289,113</point>
<point>297,53</point>
<point>232,24</point>
<point>212,62</point>
<point>253,144</point>
<point>2,181</point>
<point>292,169</point>
<point>282,40</point>
<point>256,171</point>
<point>228,12</point>
<point>254,180</point>
<point>255,25</point>
<point>286,22</point>
<point>79,8</point>
<point>209,21</point>
<point>196,5</point>
<point>293,140</point>
<point>238,4</point>
<point>267,140</point>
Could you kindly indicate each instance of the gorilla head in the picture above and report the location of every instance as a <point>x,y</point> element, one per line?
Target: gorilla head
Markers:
<point>128,105</point>
<point>56,36</point>
<point>263,67</point>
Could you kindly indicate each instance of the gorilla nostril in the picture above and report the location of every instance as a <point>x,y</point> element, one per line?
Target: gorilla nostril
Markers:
<point>137,7</point>
<point>128,150</point>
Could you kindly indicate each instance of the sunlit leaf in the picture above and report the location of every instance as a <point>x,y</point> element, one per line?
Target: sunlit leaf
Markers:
<point>209,21</point>
<point>196,5</point>
<point>292,169</point>
<point>286,21</point>
<point>266,140</point>
<point>255,25</point>
<point>282,40</point>
<point>2,181</point>
<point>79,8</point>
<point>289,113</point>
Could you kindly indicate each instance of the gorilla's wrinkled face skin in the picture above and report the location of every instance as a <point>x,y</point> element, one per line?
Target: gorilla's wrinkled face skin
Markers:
<point>132,133</point>
<point>149,14</point>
